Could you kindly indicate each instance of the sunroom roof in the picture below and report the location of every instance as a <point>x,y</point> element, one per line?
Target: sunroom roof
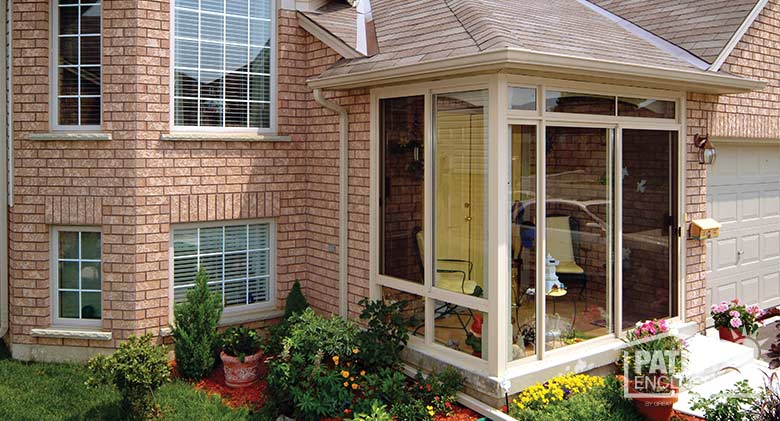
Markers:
<point>417,32</point>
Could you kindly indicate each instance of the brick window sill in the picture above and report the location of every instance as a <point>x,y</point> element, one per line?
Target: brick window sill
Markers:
<point>223,137</point>
<point>71,333</point>
<point>69,136</point>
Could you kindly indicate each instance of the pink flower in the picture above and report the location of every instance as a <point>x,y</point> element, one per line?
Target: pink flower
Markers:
<point>722,307</point>
<point>734,313</point>
<point>753,309</point>
<point>663,325</point>
<point>735,322</point>
<point>735,301</point>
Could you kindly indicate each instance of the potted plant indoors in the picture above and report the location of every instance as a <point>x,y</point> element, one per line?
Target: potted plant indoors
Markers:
<point>241,356</point>
<point>734,320</point>
<point>653,357</point>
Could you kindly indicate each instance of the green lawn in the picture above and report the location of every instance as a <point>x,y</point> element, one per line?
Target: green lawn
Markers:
<point>42,392</point>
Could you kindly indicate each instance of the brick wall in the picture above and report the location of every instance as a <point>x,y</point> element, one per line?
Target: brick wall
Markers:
<point>753,115</point>
<point>136,186</point>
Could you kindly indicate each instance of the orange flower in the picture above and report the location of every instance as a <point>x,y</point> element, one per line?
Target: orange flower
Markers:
<point>344,374</point>
<point>354,386</point>
<point>355,350</point>
<point>362,372</point>
<point>336,359</point>
<point>346,384</point>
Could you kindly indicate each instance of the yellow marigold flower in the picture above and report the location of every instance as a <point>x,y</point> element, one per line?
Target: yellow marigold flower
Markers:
<point>362,372</point>
<point>344,374</point>
<point>354,386</point>
<point>355,350</point>
<point>346,384</point>
<point>336,359</point>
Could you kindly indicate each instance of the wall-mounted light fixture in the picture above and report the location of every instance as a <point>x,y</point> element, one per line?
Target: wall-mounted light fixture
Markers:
<point>707,151</point>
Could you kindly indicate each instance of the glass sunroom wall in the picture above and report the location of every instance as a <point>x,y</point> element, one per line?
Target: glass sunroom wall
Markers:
<point>578,234</point>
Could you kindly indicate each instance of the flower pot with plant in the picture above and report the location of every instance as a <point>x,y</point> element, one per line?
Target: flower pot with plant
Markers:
<point>653,357</point>
<point>735,320</point>
<point>241,356</point>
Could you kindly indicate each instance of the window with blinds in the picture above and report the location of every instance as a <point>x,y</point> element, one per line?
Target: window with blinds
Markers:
<point>78,66</point>
<point>222,63</point>
<point>237,258</point>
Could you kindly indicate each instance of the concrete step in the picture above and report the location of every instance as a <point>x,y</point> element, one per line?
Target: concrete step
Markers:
<point>708,357</point>
<point>754,371</point>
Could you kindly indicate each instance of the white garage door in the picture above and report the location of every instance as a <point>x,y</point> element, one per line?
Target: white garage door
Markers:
<point>743,194</point>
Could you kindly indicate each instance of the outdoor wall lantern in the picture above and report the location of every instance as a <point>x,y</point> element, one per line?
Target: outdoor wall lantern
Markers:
<point>707,151</point>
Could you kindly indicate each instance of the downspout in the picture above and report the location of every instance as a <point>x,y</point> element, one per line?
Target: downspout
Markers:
<point>5,171</point>
<point>343,197</point>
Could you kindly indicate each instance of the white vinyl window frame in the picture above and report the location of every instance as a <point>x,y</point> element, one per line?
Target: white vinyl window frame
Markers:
<point>269,303</point>
<point>500,119</point>
<point>54,276</point>
<point>54,66</point>
<point>273,88</point>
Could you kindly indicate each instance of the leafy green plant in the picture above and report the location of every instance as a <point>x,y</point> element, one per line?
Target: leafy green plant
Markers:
<point>601,402</point>
<point>196,341</point>
<point>294,305</point>
<point>137,369</point>
<point>240,342</point>
<point>727,405</point>
<point>386,333</point>
<point>735,315</point>
<point>378,413</point>
<point>414,410</point>
<point>652,340</point>
<point>387,385</point>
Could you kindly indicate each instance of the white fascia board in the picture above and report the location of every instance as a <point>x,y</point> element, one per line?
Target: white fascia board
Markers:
<point>523,60</point>
<point>655,40</point>
<point>729,48</point>
<point>332,41</point>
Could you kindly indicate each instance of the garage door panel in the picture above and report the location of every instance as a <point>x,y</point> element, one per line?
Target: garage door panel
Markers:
<point>770,289</point>
<point>743,194</point>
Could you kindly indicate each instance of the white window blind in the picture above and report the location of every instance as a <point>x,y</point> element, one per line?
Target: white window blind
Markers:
<point>222,63</point>
<point>236,258</point>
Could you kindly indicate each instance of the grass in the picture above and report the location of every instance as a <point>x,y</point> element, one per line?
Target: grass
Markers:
<point>43,392</point>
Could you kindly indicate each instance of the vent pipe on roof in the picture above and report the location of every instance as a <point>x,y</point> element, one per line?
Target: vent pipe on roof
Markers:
<point>343,197</point>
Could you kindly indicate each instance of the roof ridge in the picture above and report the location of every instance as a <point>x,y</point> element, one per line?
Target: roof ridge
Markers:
<point>457,8</point>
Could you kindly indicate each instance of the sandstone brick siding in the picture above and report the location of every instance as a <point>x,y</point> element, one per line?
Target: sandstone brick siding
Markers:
<point>753,115</point>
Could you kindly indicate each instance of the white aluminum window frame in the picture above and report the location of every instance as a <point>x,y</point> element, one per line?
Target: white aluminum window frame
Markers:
<point>54,260</point>
<point>500,118</point>
<point>270,303</point>
<point>54,106</point>
<point>273,88</point>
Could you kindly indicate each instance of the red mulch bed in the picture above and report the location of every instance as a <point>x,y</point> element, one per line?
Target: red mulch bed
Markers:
<point>683,417</point>
<point>459,414</point>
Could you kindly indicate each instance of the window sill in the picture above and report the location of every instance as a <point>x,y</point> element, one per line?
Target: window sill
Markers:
<point>247,316</point>
<point>69,136</point>
<point>223,137</point>
<point>71,333</point>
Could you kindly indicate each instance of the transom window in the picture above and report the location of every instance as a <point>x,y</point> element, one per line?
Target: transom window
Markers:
<point>222,63</point>
<point>237,258</point>
<point>77,274</point>
<point>78,66</point>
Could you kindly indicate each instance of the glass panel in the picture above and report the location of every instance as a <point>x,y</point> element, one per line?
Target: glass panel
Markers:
<point>258,263</point>
<point>69,275</point>
<point>649,221</point>
<point>414,309</point>
<point>235,238</point>
<point>260,9</point>
<point>187,84</point>
<point>90,50</point>
<point>211,27</point>
<point>69,304</point>
<point>90,19</point>
<point>90,245</point>
<point>462,329</point>
<point>187,56</point>
<point>258,88</point>
<point>186,112</point>
<point>185,242</point>
<point>235,266</point>
<point>259,236</point>
<point>184,270</point>
<point>522,99</point>
<point>91,305</point>
<point>236,86</point>
<point>90,111</point>
<point>578,237</point>
<point>69,81</point>
<point>210,240</point>
<point>259,115</point>
<point>235,293</point>
<point>69,51</point>
<point>402,190</point>
<point>645,107</point>
<point>90,81</point>
<point>69,20</point>
<point>211,112</point>
<point>186,23</point>
<point>522,215</point>
<point>460,192</point>
<point>578,103</point>
<point>68,245</point>
<point>90,275</point>
<point>258,290</point>
<point>69,111</point>
<point>213,266</point>
<point>237,7</point>
<point>235,114</point>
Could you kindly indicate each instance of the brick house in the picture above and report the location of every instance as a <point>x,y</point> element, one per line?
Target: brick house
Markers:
<point>389,149</point>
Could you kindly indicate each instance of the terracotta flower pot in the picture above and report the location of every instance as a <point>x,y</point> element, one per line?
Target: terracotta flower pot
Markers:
<point>731,335</point>
<point>241,374</point>
<point>655,408</point>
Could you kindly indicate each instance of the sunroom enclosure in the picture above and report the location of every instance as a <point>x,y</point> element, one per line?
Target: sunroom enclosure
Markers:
<point>497,199</point>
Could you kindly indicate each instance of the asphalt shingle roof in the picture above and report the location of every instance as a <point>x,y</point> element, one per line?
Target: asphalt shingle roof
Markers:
<point>338,18</point>
<point>701,27</point>
<point>410,32</point>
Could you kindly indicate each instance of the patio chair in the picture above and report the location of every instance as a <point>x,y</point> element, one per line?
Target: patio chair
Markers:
<point>456,277</point>
<point>561,244</point>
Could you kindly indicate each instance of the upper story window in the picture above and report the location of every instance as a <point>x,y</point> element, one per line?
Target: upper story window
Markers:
<point>222,64</point>
<point>78,58</point>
